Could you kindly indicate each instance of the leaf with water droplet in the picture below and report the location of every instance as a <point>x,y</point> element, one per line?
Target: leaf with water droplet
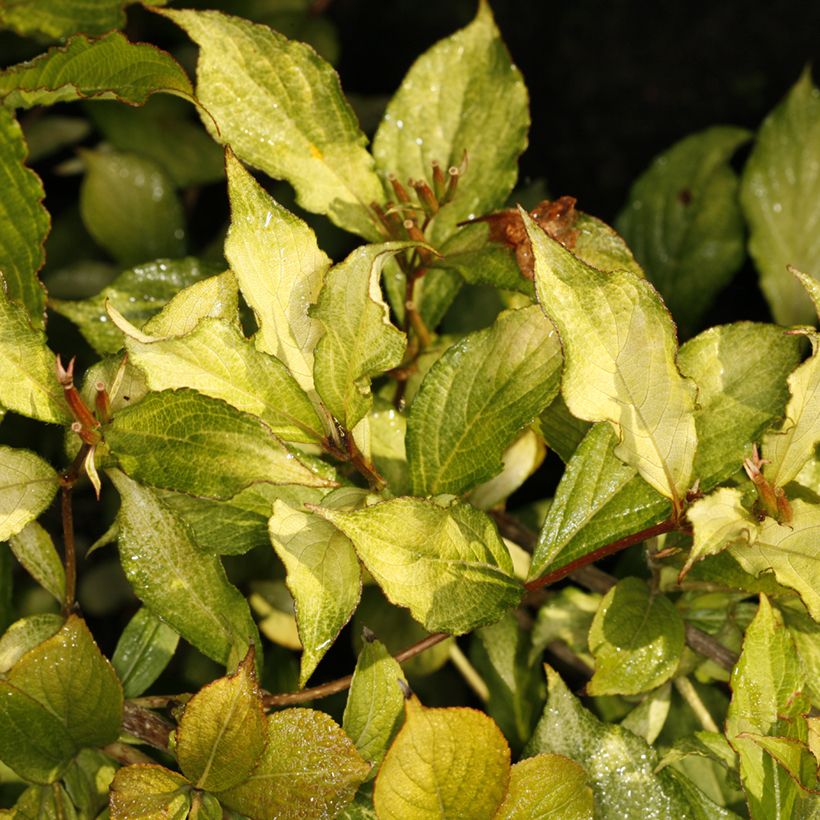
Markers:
<point>470,766</point>
<point>477,397</point>
<point>27,486</point>
<point>149,790</point>
<point>310,769</point>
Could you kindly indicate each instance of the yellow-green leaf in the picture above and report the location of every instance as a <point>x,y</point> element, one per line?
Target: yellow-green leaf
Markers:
<point>477,397</point>
<point>551,787</point>
<point>55,19</point>
<point>323,576</point>
<point>446,564</point>
<point>636,638</point>
<point>462,95</point>
<point>441,762</point>
<point>145,791</point>
<point>779,194</point>
<point>281,108</point>
<point>309,770</point>
<point>620,362</point>
<point>280,269</point>
<point>27,485</point>
<point>25,634</point>
<point>358,341</point>
<point>35,550</point>
<point>82,69</point>
<point>216,360</point>
<point>222,732</point>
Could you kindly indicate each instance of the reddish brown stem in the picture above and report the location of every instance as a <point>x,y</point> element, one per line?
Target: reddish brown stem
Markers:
<point>610,549</point>
<point>147,726</point>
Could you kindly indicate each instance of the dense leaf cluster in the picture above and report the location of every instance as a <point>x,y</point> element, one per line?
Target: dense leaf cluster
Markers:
<point>350,434</point>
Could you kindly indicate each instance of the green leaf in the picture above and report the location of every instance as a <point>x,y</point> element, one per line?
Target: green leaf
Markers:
<point>129,206</point>
<point>719,521</point>
<point>145,790</point>
<point>636,638</point>
<point>779,194</point>
<point>740,371</point>
<point>323,576</point>
<point>620,765</point>
<point>565,616</point>
<point>447,565</point>
<point>500,653</point>
<point>470,767</point>
<point>201,605</point>
<point>310,769</point>
<point>216,360</point>
<point>598,501</point>
<point>463,95</point>
<point>359,341</point>
<point>222,732</point>
<point>280,107</point>
<point>477,397</point>
<point>181,440</point>
<point>561,431</point>
<point>35,550</point>
<point>806,639</point>
<point>684,224</point>
<point>280,269</point>
<point>375,704</point>
<point>794,756</point>
<point>56,19</point>
<point>648,718</point>
<point>24,223</point>
<point>388,430</point>
<point>137,294</point>
<point>38,802</point>
<point>790,552</point>
<point>602,247</point>
<point>619,350</point>
<point>790,447</point>
<point>144,649</point>
<point>110,68</point>
<point>240,523</point>
<point>162,131</point>
<point>27,485</point>
<point>59,697</point>
<point>25,634</point>
<point>547,786</point>
<point>767,699</point>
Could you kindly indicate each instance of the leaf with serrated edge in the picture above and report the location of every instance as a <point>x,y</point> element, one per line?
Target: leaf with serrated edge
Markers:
<point>359,341</point>
<point>181,440</point>
<point>636,639</point>
<point>620,765</point>
<point>786,450</point>
<point>740,370</point>
<point>110,68</point>
<point>719,521</point>
<point>216,360</point>
<point>55,19</point>
<point>550,787</point>
<point>25,634</point>
<point>780,189</point>
<point>323,576</point>
<point>309,770</point>
<point>24,223</point>
<point>179,583</point>
<point>144,649</point>
<point>129,205</point>
<point>447,565</point>
<point>790,552</point>
<point>60,696</point>
<point>470,767</point>
<point>598,501</point>
<point>27,486</point>
<point>477,397</point>
<point>138,294</point>
<point>767,699</point>
<point>280,269</point>
<point>462,95</point>
<point>35,550</point>
<point>280,107</point>
<point>619,362</point>
<point>375,704</point>
<point>222,732</point>
<point>145,790</point>
<point>684,223</point>
<point>28,381</point>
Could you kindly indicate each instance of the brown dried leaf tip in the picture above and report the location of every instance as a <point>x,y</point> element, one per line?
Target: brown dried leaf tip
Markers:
<point>557,217</point>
